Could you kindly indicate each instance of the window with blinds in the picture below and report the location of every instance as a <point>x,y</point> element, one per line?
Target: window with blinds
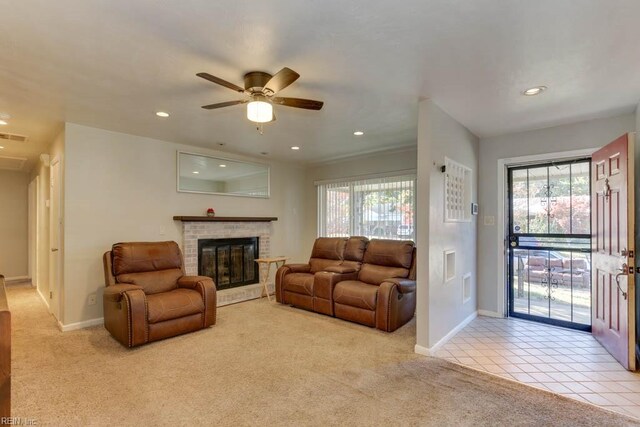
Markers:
<point>381,208</point>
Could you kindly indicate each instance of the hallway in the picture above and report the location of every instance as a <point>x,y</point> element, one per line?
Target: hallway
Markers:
<point>563,361</point>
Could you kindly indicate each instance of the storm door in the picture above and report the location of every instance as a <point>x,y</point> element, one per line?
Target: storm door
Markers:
<point>549,269</point>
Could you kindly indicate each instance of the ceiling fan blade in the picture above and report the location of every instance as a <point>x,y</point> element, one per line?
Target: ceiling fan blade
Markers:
<point>221,82</point>
<point>307,104</point>
<point>282,79</point>
<point>224,104</point>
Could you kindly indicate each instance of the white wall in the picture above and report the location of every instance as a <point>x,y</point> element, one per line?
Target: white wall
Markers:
<point>583,135</point>
<point>122,187</point>
<point>440,307</point>
<point>367,164</point>
<point>14,255</point>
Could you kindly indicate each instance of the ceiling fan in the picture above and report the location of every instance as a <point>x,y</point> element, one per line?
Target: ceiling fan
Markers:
<point>262,88</point>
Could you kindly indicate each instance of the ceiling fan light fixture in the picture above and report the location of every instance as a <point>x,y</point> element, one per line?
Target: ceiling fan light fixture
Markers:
<point>259,110</point>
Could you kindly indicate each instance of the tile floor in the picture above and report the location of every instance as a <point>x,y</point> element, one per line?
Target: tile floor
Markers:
<point>563,361</point>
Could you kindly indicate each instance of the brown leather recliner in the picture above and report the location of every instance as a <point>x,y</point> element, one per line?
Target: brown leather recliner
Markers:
<point>294,282</point>
<point>298,285</point>
<point>384,293</point>
<point>148,297</point>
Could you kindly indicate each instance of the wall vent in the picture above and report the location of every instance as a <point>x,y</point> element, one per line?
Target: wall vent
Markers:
<point>449,265</point>
<point>466,288</point>
<point>13,137</point>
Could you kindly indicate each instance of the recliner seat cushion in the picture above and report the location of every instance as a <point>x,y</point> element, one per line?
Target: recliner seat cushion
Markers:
<point>376,274</point>
<point>174,304</point>
<point>355,293</point>
<point>299,283</point>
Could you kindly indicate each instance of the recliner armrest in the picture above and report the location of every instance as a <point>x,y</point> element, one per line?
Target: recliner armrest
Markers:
<point>342,269</point>
<point>405,286</point>
<point>299,268</point>
<point>191,282</point>
<point>114,292</point>
<point>207,289</point>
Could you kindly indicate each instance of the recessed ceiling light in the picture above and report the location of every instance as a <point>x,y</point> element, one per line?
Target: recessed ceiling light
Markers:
<point>162,114</point>
<point>1,147</point>
<point>223,166</point>
<point>295,147</point>
<point>196,172</point>
<point>3,123</point>
<point>537,90</point>
<point>358,133</point>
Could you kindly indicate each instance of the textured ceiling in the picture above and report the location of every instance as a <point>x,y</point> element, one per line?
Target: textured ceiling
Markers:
<point>112,64</point>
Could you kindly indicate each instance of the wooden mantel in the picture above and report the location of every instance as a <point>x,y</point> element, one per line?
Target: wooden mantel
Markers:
<point>226,218</point>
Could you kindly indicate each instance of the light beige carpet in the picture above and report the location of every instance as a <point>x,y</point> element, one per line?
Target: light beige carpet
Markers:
<point>262,364</point>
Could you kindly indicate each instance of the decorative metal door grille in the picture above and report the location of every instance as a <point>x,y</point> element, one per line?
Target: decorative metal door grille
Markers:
<point>550,243</point>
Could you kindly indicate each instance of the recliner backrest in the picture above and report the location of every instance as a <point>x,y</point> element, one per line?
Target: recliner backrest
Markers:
<point>327,251</point>
<point>354,251</point>
<point>156,266</point>
<point>384,259</point>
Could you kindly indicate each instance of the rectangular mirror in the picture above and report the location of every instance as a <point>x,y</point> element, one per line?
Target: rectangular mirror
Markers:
<point>198,173</point>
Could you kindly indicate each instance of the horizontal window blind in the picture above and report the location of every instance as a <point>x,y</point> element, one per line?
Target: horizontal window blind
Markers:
<point>381,208</point>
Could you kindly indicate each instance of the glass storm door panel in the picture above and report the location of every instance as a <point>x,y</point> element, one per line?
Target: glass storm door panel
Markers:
<point>550,243</point>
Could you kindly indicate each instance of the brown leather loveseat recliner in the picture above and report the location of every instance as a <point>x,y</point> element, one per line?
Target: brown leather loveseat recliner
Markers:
<point>368,282</point>
<point>148,297</point>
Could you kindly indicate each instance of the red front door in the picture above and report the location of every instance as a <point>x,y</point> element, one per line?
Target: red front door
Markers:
<point>613,251</point>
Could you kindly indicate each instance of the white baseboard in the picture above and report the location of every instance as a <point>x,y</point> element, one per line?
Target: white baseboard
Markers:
<point>488,313</point>
<point>422,350</point>
<point>430,351</point>
<point>16,279</point>
<point>45,300</point>
<point>80,325</point>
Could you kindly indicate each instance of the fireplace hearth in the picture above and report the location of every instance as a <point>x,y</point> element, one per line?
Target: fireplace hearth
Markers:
<point>229,262</point>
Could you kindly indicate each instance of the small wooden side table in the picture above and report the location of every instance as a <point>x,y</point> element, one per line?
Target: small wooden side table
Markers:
<point>264,267</point>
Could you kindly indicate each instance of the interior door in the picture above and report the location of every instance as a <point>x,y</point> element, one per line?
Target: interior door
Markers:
<point>613,251</point>
<point>33,230</point>
<point>55,219</point>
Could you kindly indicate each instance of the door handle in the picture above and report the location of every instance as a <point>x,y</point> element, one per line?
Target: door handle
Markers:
<point>54,249</point>
<point>623,272</point>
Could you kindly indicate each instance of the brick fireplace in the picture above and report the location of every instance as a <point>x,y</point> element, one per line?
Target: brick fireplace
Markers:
<point>195,229</point>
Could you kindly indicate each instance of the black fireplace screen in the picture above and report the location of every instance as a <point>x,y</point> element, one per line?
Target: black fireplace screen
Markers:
<point>229,262</point>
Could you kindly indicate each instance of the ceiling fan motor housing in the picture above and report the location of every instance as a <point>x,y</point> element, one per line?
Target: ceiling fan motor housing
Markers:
<point>256,80</point>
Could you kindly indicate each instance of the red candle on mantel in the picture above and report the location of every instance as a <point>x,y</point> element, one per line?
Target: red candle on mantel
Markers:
<point>211,212</point>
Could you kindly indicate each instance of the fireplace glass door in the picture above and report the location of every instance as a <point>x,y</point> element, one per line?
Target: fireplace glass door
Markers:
<point>229,262</point>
